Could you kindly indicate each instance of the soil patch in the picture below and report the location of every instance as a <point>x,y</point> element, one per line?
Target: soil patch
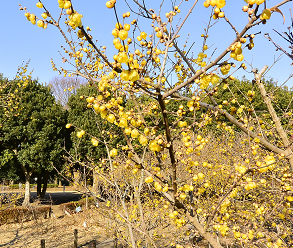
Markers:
<point>58,231</point>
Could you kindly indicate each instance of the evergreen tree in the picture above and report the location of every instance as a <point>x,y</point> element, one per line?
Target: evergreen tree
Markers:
<point>32,141</point>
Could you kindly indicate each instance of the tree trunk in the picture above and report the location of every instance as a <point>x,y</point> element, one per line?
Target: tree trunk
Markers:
<point>42,191</point>
<point>26,201</point>
<point>45,184</point>
<point>143,225</point>
<point>211,238</point>
<point>27,193</point>
<point>95,182</point>
<point>133,241</point>
<point>77,177</point>
<point>39,186</point>
<point>283,135</point>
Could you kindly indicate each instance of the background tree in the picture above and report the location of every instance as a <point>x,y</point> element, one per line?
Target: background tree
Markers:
<point>9,95</point>
<point>34,139</point>
<point>82,114</point>
<point>63,87</point>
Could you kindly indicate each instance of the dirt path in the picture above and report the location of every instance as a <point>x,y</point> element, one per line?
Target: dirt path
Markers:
<point>57,195</point>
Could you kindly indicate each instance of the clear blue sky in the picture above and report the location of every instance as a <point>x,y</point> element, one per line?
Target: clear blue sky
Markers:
<point>21,41</point>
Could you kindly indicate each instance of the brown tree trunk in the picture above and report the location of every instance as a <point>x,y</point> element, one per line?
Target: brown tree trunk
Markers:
<point>42,191</point>
<point>276,119</point>
<point>95,182</point>
<point>45,184</point>
<point>77,178</point>
<point>27,192</point>
<point>26,201</point>
<point>39,186</point>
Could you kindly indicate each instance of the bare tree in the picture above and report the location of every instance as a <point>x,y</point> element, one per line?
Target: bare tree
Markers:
<point>63,87</point>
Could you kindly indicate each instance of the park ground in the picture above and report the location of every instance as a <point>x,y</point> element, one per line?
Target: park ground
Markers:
<point>58,230</point>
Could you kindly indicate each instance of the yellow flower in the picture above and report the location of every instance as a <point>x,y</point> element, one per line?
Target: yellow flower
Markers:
<point>113,152</point>
<point>225,68</point>
<point>266,14</point>
<point>123,34</point>
<point>67,5</point>
<point>221,3</point>
<point>241,169</point>
<point>183,196</point>
<point>40,23</point>
<point>95,142</point>
<point>143,35</point>
<point>39,5</point>
<point>44,15</point>
<point>270,160</point>
<point>123,122</point>
<point>149,179</point>
<point>111,118</point>
<point>125,75</point>
<point>75,20</point>
<point>200,175</point>
<point>123,58</point>
<point>80,133</point>
<point>133,75</point>
<point>158,186</point>
<point>166,188</point>
<point>143,140</point>
<point>134,133</point>
<point>250,185</point>
<point>154,146</point>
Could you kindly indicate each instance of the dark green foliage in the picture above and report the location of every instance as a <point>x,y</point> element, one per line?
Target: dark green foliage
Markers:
<point>280,96</point>
<point>88,120</point>
<point>33,139</point>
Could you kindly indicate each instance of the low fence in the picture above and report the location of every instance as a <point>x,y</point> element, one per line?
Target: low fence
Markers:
<point>22,186</point>
<point>22,214</point>
<point>93,243</point>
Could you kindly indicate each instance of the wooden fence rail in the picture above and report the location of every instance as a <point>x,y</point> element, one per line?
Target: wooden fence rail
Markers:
<point>93,243</point>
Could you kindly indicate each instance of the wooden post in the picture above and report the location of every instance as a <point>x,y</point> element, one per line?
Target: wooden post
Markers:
<point>94,244</point>
<point>42,243</point>
<point>85,189</point>
<point>75,238</point>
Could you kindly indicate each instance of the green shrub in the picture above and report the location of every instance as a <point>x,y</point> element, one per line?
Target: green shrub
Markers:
<point>16,186</point>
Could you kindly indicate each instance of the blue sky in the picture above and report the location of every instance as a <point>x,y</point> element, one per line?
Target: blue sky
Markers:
<point>21,41</point>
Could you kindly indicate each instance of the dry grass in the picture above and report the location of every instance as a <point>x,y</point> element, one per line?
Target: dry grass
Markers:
<point>58,231</point>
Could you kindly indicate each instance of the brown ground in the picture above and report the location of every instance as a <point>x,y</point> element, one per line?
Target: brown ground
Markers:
<point>58,231</point>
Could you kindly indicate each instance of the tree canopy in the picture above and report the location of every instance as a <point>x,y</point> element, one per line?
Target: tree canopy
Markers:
<point>82,115</point>
<point>33,140</point>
